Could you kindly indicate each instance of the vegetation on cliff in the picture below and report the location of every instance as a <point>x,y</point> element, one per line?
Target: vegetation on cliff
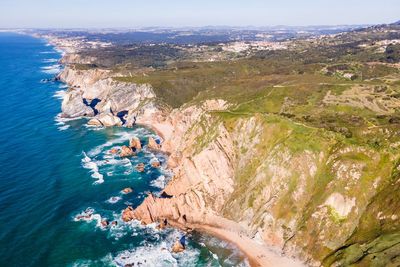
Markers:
<point>315,128</point>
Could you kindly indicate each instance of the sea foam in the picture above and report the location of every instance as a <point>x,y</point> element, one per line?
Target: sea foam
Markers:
<point>87,163</point>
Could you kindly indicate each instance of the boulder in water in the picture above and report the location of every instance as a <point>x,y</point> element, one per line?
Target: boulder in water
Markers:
<point>140,167</point>
<point>126,151</point>
<point>109,120</point>
<point>104,223</point>
<point>155,164</point>
<point>178,247</point>
<point>127,190</point>
<point>135,144</point>
<point>114,150</point>
<point>94,122</point>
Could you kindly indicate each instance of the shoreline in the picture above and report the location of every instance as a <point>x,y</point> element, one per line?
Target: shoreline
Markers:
<point>256,254</point>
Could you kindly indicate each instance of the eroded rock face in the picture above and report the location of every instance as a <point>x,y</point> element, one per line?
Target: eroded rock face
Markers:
<point>254,175</point>
<point>112,97</point>
<point>73,105</point>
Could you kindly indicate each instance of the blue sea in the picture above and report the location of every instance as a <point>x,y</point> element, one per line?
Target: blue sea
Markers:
<point>53,171</point>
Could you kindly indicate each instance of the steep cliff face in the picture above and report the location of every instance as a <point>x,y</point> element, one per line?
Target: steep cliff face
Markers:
<point>308,191</point>
<point>93,93</point>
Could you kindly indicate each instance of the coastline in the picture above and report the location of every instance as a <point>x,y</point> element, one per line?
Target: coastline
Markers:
<point>257,254</point>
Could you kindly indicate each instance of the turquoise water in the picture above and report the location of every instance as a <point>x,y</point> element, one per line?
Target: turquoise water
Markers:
<point>53,170</point>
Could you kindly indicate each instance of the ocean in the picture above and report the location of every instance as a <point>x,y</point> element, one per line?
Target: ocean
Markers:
<point>53,171</point>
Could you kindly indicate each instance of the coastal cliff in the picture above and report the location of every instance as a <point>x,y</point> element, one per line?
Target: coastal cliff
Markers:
<point>262,181</point>
<point>301,189</point>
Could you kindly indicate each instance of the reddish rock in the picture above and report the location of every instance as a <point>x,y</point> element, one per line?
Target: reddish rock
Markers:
<point>104,223</point>
<point>127,214</point>
<point>127,190</point>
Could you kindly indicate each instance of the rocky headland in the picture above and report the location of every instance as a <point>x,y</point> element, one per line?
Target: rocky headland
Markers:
<point>276,189</point>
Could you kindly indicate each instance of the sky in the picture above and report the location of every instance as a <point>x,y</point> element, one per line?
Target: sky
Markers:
<point>182,13</point>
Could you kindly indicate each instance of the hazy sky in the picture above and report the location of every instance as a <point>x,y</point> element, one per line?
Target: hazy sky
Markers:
<point>133,13</point>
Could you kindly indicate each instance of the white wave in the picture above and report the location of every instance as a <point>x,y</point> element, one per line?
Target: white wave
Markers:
<point>90,216</point>
<point>87,163</point>
<point>122,138</point>
<point>113,200</point>
<point>50,60</point>
<point>63,85</point>
<point>160,182</point>
<point>59,94</point>
<point>59,51</point>
<point>63,127</point>
<point>93,127</point>
<point>53,69</point>
<point>60,119</point>
<point>158,254</point>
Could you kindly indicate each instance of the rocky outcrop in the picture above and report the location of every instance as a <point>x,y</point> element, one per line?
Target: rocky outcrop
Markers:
<point>126,151</point>
<point>267,179</point>
<point>73,105</point>
<point>105,119</point>
<point>93,93</point>
<point>256,178</point>
<point>135,144</point>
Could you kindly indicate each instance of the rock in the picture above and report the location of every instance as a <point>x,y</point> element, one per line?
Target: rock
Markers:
<point>140,167</point>
<point>114,223</point>
<point>104,223</point>
<point>162,225</point>
<point>127,214</point>
<point>126,151</point>
<point>73,106</point>
<point>114,151</point>
<point>155,164</point>
<point>135,144</point>
<point>178,247</point>
<point>153,144</point>
<point>94,122</point>
<point>109,120</point>
<point>123,96</point>
<point>127,190</point>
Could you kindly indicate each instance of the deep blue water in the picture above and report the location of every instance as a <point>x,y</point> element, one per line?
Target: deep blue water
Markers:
<point>51,171</point>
